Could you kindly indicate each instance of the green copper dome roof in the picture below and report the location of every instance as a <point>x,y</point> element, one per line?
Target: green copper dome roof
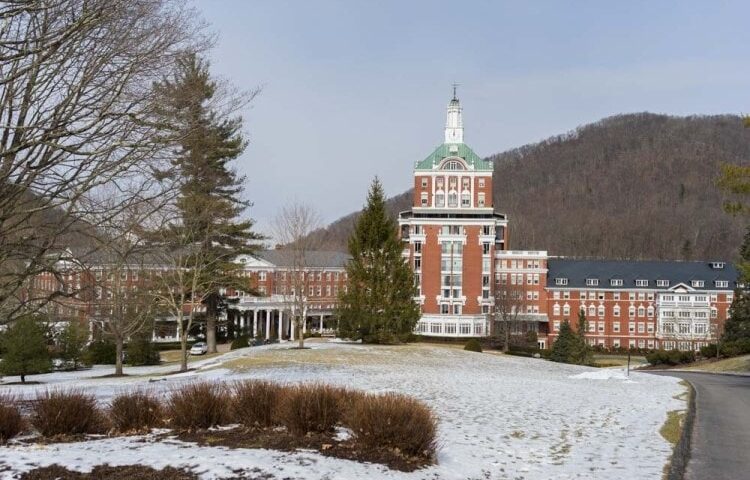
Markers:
<point>460,150</point>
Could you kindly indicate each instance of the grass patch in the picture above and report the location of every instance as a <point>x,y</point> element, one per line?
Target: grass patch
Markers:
<point>672,428</point>
<point>105,472</point>
<point>736,364</point>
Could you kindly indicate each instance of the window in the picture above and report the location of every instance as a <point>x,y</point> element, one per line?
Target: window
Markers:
<point>556,325</point>
<point>650,311</point>
<point>631,311</point>
<point>616,282</point>
<point>592,282</point>
<point>631,327</point>
<point>616,327</point>
<point>418,247</point>
<point>556,310</point>
<point>485,248</point>
<point>452,199</point>
<point>465,199</point>
<point>616,295</point>
<point>481,183</point>
<point>717,265</point>
<point>641,283</point>
<point>697,283</point>
<point>641,327</point>
<point>453,165</point>
<point>616,311</point>
<point>445,309</point>
<point>600,327</point>
<point>440,199</point>
<point>662,283</point>
<point>721,283</point>
<point>641,311</point>
<point>616,343</point>
<point>480,199</point>
<point>561,281</point>
<point>424,182</point>
<point>424,199</point>
<point>262,276</point>
<point>566,309</point>
<point>601,310</point>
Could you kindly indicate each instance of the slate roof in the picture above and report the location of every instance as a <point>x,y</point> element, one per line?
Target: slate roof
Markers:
<point>578,271</point>
<point>315,259</point>
<point>462,151</point>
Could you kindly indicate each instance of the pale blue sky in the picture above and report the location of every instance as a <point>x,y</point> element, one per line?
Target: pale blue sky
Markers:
<point>354,89</point>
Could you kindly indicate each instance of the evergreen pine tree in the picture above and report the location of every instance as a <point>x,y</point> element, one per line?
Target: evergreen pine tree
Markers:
<point>378,305</point>
<point>210,200</point>
<point>72,342</point>
<point>737,326</point>
<point>565,344</point>
<point>581,354</point>
<point>25,344</point>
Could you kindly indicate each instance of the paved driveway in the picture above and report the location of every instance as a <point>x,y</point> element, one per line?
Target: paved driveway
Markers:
<point>720,445</point>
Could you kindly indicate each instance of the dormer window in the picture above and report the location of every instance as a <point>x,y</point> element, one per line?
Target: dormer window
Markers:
<point>662,283</point>
<point>561,281</point>
<point>641,283</point>
<point>697,283</point>
<point>718,265</point>
<point>721,283</point>
<point>592,282</point>
<point>615,282</point>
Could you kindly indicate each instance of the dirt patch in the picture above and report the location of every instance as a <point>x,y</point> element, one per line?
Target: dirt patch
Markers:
<point>325,444</point>
<point>106,472</point>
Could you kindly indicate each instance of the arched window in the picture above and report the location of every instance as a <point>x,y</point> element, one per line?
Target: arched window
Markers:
<point>616,311</point>
<point>556,309</point>
<point>566,309</point>
<point>592,310</point>
<point>453,165</point>
<point>641,311</point>
<point>601,310</point>
<point>631,311</point>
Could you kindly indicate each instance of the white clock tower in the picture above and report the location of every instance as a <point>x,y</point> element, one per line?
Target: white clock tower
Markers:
<point>454,126</point>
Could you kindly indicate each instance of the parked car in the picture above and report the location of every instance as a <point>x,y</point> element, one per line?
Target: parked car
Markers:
<point>199,348</point>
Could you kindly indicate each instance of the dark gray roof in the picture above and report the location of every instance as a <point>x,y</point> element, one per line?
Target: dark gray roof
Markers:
<point>315,259</point>
<point>577,271</point>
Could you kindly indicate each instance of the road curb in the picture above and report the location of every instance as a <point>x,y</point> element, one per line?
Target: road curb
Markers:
<point>681,451</point>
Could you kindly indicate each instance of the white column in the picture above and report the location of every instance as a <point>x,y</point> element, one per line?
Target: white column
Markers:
<point>304,320</point>
<point>281,318</point>
<point>321,323</point>
<point>291,327</point>
<point>268,324</point>
<point>242,319</point>
<point>255,323</point>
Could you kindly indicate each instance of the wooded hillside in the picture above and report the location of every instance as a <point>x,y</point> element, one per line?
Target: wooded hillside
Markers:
<point>631,186</point>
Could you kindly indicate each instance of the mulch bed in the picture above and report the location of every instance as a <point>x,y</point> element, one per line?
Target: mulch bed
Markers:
<point>325,444</point>
<point>106,472</point>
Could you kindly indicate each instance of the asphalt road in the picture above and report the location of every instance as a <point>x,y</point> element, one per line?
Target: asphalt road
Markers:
<point>720,445</point>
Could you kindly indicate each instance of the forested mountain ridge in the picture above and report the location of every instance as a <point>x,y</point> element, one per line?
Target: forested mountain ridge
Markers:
<point>638,186</point>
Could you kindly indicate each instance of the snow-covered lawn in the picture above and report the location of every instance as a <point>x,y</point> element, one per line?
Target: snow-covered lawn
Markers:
<point>500,417</point>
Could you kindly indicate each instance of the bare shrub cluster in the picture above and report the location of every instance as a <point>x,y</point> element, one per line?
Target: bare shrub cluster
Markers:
<point>11,421</point>
<point>137,411</point>
<point>71,412</point>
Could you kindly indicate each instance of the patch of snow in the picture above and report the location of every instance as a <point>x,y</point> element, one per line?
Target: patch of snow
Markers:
<point>499,417</point>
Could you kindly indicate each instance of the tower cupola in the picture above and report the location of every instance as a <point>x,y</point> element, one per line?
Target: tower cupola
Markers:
<point>454,125</point>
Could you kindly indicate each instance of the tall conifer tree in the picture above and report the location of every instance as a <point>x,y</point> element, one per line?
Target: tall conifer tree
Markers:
<point>210,203</point>
<point>378,305</point>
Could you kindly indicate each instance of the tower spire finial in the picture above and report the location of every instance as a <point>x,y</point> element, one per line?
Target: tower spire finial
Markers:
<point>455,86</point>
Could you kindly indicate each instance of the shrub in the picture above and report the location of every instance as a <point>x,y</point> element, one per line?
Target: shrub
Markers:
<point>72,412</point>
<point>199,405</point>
<point>142,351</point>
<point>240,342</point>
<point>26,352</point>
<point>670,357</point>
<point>473,345</point>
<point>393,421</point>
<point>11,421</point>
<point>310,408</point>
<point>255,401</point>
<point>101,352</point>
<point>135,411</point>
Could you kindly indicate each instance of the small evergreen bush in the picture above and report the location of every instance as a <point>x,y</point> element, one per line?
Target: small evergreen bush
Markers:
<point>199,405</point>
<point>11,421</point>
<point>473,345</point>
<point>240,342</point>
<point>135,411</point>
<point>255,401</point>
<point>310,408</point>
<point>393,421</point>
<point>101,352</point>
<point>142,351</point>
<point>71,412</point>
<point>670,357</point>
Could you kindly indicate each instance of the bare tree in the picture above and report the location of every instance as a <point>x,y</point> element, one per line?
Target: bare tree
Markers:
<point>293,227</point>
<point>509,305</point>
<point>76,110</point>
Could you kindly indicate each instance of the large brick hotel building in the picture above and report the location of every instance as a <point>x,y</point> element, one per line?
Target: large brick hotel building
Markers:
<point>458,247</point>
